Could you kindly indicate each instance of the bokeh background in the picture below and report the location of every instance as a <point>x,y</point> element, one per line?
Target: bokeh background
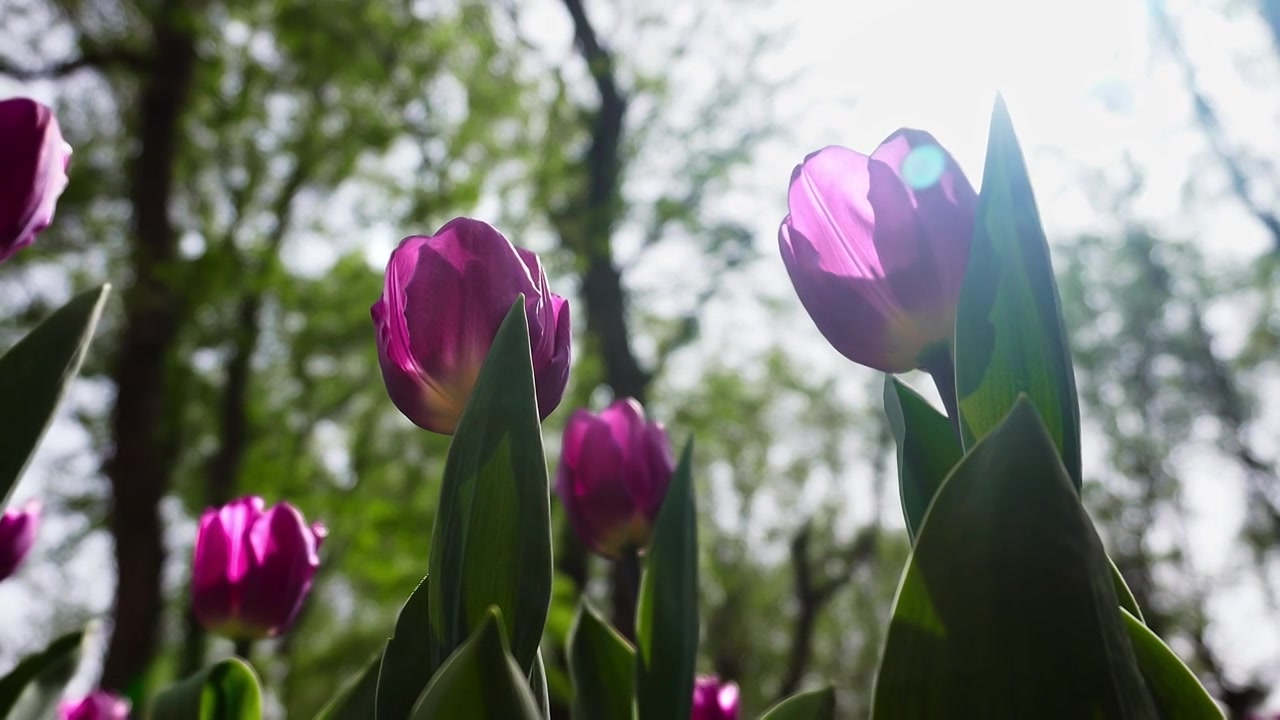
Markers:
<point>243,168</point>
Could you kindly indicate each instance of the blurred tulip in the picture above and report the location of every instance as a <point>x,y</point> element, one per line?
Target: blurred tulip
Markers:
<point>100,705</point>
<point>33,171</point>
<point>444,298</point>
<point>17,535</point>
<point>252,568</point>
<point>614,471</point>
<point>714,699</point>
<point>877,247</point>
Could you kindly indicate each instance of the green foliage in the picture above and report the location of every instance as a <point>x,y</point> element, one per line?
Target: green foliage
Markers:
<point>1010,337</point>
<point>491,545</point>
<point>1006,607</point>
<point>50,667</point>
<point>34,376</point>
<point>927,449</point>
<point>667,609</point>
<point>358,697</point>
<point>479,681</point>
<point>602,665</point>
<point>227,690</point>
<point>817,704</point>
<point>1177,692</point>
<point>406,661</point>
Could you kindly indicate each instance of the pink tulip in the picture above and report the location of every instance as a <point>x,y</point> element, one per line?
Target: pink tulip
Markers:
<point>252,568</point>
<point>33,171</point>
<point>877,245</point>
<point>17,535</point>
<point>714,699</point>
<point>100,705</point>
<point>614,471</point>
<point>444,298</point>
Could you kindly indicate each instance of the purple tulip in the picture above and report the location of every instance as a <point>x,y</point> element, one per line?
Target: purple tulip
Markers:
<point>100,705</point>
<point>714,699</point>
<point>877,247</point>
<point>444,298</point>
<point>17,535</point>
<point>252,568</point>
<point>614,471</point>
<point>33,171</point>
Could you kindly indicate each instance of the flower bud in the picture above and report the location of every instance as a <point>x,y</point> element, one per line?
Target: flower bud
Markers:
<point>714,699</point>
<point>33,171</point>
<point>877,247</point>
<point>17,535</point>
<point>252,568</point>
<point>444,298</point>
<point>100,705</point>
<point>614,471</point>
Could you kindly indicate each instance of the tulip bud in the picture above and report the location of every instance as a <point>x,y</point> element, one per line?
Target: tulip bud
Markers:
<point>17,535</point>
<point>33,171</point>
<point>100,705</point>
<point>252,568</point>
<point>444,298</point>
<point>714,699</point>
<point>877,247</point>
<point>614,471</point>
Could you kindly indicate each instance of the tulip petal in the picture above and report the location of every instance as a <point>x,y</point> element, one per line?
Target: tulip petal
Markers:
<point>32,172</point>
<point>285,554</point>
<point>17,535</point>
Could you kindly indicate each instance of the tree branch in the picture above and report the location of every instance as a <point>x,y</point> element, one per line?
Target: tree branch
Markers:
<point>99,59</point>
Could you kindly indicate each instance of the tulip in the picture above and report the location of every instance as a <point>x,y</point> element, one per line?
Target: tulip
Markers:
<point>876,248</point>
<point>252,568</point>
<point>614,471</point>
<point>100,705</point>
<point>17,535</point>
<point>714,699</point>
<point>33,171</point>
<point>444,298</point>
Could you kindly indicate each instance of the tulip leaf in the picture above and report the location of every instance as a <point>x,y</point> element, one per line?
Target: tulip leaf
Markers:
<point>228,690</point>
<point>406,660</point>
<point>53,665</point>
<point>1010,337</point>
<point>538,685</point>
<point>357,698</point>
<point>479,681</point>
<point>491,545</point>
<point>817,704</point>
<point>667,607</point>
<point>602,666</point>
<point>1177,692</point>
<point>927,448</point>
<point>1006,608</point>
<point>34,376</point>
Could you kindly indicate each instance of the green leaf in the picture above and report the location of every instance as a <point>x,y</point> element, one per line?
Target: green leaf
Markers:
<point>1006,608</point>
<point>1010,336</point>
<point>817,704</point>
<point>602,665</point>
<point>356,699</point>
<point>480,681</point>
<point>56,660</point>
<point>1127,600</point>
<point>228,690</point>
<point>406,660</point>
<point>34,376</point>
<point>538,685</point>
<point>927,448</point>
<point>667,608</point>
<point>1177,692</point>
<point>491,545</point>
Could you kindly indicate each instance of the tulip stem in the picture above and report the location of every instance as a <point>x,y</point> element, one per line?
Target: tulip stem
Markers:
<point>626,592</point>
<point>942,369</point>
<point>244,647</point>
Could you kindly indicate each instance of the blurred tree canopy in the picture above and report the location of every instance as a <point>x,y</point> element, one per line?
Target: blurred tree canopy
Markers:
<point>242,169</point>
